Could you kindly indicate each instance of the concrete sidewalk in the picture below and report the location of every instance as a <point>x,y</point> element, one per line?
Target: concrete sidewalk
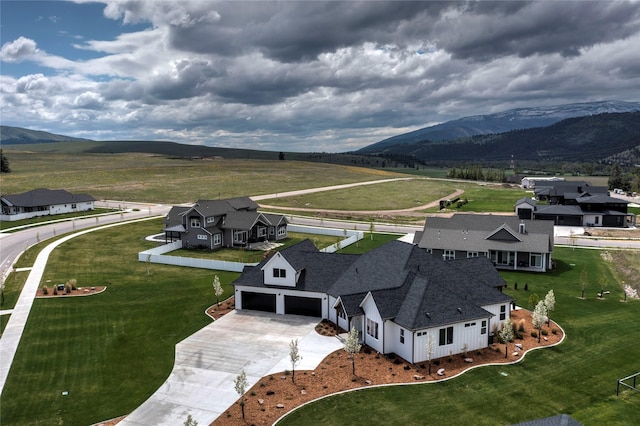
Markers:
<point>207,363</point>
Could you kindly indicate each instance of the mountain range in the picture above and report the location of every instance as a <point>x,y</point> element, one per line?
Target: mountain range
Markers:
<point>506,121</point>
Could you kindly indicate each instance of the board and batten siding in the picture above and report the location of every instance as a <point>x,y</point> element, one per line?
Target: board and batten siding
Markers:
<point>466,333</point>
<point>371,313</point>
<point>392,343</point>
<point>279,262</point>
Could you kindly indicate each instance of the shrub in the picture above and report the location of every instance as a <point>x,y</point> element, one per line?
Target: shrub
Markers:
<point>526,287</point>
<point>55,291</point>
<point>436,362</point>
<point>515,285</point>
<point>367,350</point>
<point>534,334</point>
<point>554,331</point>
<point>521,325</point>
<point>45,289</point>
<point>253,393</point>
<point>73,283</point>
<point>397,361</point>
<point>544,332</point>
<point>67,288</point>
<point>406,367</point>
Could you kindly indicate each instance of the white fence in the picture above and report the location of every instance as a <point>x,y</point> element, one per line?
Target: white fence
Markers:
<point>157,255</point>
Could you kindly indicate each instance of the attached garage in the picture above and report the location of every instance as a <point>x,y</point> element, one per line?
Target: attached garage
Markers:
<point>309,306</point>
<point>258,301</point>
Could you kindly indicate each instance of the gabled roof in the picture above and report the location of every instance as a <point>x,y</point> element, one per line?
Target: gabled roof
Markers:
<point>174,217</point>
<point>405,282</point>
<point>480,233</point>
<point>45,197</point>
<point>208,208</point>
<point>558,209</point>
<point>526,200</point>
<point>599,199</point>
<point>243,220</point>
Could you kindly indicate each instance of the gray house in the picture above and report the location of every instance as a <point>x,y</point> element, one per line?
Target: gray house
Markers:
<point>43,202</point>
<point>397,296</point>
<point>508,241</point>
<point>213,224</point>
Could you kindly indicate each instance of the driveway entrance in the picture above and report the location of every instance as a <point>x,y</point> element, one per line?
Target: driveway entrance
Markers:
<point>207,363</point>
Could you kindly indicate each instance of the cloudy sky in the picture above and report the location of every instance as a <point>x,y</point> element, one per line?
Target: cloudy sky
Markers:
<point>303,75</point>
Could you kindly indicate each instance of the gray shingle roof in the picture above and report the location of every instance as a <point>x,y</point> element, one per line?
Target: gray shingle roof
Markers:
<point>46,197</point>
<point>472,232</point>
<point>405,282</point>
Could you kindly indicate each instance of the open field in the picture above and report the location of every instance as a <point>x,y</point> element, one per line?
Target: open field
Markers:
<point>577,377</point>
<point>143,177</point>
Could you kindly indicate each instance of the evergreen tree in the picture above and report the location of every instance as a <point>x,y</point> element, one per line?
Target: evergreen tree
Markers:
<point>4,163</point>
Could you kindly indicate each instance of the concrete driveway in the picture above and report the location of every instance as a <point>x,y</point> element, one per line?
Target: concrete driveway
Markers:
<point>207,363</point>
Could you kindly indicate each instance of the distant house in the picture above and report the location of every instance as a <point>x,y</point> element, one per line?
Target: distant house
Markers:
<point>530,182</point>
<point>576,204</point>
<point>43,202</point>
<point>213,224</point>
<point>396,296</point>
<point>508,241</point>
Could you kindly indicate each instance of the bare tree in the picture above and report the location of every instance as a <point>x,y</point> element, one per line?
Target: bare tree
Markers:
<point>352,346</point>
<point>539,317</point>
<point>295,358</point>
<point>430,346</point>
<point>506,334</point>
<point>217,289</point>
<point>550,303</point>
<point>241,386</point>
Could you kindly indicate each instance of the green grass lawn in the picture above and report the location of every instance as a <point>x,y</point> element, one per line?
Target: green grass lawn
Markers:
<point>108,351</point>
<point>577,377</point>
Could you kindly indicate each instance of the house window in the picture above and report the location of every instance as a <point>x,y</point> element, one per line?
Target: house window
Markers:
<point>449,255</point>
<point>73,206</point>
<point>472,254</point>
<point>217,239</point>
<point>262,231</point>
<point>430,251</point>
<point>470,324</point>
<point>503,312</point>
<point>279,273</point>
<point>282,231</point>
<point>238,236</point>
<point>535,259</point>
<point>341,313</point>
<point>271,230</point>
<point>402,336</point>
<point>483,329</point>
<point>211,219</point>
<point>446,336</point>
<point>372,328</point>
<point>202,237</point>
<point>195,222</point>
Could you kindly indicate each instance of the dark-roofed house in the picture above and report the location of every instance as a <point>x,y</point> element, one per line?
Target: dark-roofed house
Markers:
<point>396,296</point>
<point>43,202</point>
<point>213,224</point>
<point>576,204</point>
<point>510,242</point>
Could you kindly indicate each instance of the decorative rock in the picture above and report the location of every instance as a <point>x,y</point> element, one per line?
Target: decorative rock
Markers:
<point>519,346</point>
<point>303,392</point>
<point>546,339</point>
<point>418,377</point>
<point>368,382</point>
<point>440,372</point>
<point>279,405</point>
<point>469,360</point>
<point>283,377</point>
<point>516,353</point>
<point>261,401</point>
<point>313,373</point>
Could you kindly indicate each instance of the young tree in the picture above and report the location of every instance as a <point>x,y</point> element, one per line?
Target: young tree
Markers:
<point>190,421</point>
<point>217,289</point>
<point>539,317</point>
<point>4,163</point>
<point>506,334</point>
<point>584,279</point>
<point>533,300</point>
<point>295,358</point>
<point>352,346</point>
<point>241,386</point>
<point>550,304</point>
<point>430,346</point>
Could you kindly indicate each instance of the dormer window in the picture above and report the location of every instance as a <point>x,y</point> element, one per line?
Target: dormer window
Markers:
<point>195,222</point>
<point>279,273</point>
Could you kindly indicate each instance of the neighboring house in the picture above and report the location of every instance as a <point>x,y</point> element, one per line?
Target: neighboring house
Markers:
<point>396,296</point>
<point>43,202</point>
<point>576,204</point>
<point>213,224</point>
<point>508,241</point>
<point>529,182</point>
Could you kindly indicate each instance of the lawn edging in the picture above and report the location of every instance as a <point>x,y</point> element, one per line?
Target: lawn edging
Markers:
<point>564,335</point>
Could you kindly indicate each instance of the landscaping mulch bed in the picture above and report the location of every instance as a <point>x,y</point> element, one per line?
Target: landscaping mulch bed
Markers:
<point>334,374</point>
<point>80,291</point>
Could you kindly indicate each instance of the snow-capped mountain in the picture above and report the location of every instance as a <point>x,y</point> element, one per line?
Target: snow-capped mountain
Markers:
<point>514,119</point>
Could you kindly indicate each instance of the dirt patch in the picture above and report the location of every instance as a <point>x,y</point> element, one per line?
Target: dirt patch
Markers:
<point>613,233</point>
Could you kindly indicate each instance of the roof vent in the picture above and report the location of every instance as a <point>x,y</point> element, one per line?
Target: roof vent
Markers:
<point>428,315</point>
<point>460,310</point>
<point>522,228</point>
